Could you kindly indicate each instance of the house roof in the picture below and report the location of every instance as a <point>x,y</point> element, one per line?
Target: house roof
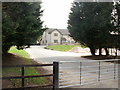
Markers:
<point>62,31</point>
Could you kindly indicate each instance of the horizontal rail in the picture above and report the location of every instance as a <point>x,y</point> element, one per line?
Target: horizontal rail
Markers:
<point>98,66</point>
<point>79,72</point>
<point>90,66</point>
<point>107,80</point>
<point>68,67</point>
<point>69,86</point>
<point>35,65</point>
<point>106,73</point>
<point>35,86</point>
<point>61,77</point>
<point>92,71</point>
<point>69,73</point>
<point>112,78</point>
<point>19,77</point>
<point>87,83</point>
<point>85,66</point>
<point>89,76</point>
<point>69,83</point>
<point>67,80</point>
<point>88,61</point>
<point>87,79</point>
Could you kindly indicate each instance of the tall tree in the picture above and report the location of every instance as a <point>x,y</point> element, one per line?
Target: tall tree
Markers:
<point>90,22</point>
<point>21,24</point>
<point>117,23</point>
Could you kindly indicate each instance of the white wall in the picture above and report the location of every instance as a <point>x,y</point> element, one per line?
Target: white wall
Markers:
<point>55,37</point>
<point>49,38</point>
<point>69,39</point>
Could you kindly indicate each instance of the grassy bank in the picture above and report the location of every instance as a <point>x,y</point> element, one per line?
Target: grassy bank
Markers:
<point>63,47</point>
<point>21,57</point>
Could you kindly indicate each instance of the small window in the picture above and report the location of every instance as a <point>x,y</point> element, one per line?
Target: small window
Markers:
<point>55,34</point>
<point>55,41</point>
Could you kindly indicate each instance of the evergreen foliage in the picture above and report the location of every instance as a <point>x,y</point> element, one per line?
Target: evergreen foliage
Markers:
<point>21,24</point>
<point>90,24</point>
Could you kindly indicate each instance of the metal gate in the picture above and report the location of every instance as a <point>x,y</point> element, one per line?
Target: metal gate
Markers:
<point>74,73</point>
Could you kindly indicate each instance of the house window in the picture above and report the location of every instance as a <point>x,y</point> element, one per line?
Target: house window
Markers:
<point>55,34</point>
<point>55,41</point>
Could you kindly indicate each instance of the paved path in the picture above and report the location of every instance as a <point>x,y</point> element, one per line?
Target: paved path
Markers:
<point>41,55</point>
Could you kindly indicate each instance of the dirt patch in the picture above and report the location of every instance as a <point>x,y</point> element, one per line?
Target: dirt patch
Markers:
<point>80,50</point>
<point>12,59</point>
<point>43,71</point>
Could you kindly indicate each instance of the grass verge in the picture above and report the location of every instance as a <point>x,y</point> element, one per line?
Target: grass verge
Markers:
<point>63,47</point>
<point>20,57</point>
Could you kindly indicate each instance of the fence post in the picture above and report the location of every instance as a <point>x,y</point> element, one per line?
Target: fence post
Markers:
<point>55,75</point>
<point>22,69</point>
<point>99,72</point>
<point>80,72</point>
<point>114,69</point>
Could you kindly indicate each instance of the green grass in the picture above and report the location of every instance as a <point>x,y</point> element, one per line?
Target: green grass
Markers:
<point>22,53</point>
<point>63,47</point>
<point>28,71</point>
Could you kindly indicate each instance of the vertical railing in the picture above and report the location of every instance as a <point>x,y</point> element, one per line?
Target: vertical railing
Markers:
<point>114,69</point>
<point>22,70</point>
<point>55,75</point>
<point>99,72</point>
<point>80,73</point>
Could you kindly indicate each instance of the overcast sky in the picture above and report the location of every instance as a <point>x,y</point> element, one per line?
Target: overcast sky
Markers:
<point>56,13</point>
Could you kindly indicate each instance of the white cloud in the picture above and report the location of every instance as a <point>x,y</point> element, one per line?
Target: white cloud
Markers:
<point>56,13</point>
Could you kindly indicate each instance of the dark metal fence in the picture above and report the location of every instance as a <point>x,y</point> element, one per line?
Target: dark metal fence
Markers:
<point>22,76</point>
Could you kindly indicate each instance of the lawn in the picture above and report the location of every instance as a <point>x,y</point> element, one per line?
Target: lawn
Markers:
<point>21,57</point>
<point>21,52</point>
<point>63,47</point>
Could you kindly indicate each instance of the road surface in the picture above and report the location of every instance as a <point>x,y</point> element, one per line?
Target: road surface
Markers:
<point>48,56</point>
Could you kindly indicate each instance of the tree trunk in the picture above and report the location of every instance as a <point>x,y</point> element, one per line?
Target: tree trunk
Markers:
<point>107,52</point>
<point>5,49</point>
<point>92,50</point>
<point>100,51</point>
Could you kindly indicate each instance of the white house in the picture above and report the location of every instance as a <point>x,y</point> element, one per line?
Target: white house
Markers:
<point>56,37</point>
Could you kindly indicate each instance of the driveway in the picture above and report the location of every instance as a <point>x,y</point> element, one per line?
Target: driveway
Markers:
<point>48,56</point>
<point>41,55</point>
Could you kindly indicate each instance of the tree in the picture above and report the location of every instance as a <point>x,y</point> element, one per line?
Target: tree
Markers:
<point>116,19</point>
<point>90,22</point>
<point>116,23</point>
<point>21,24</point>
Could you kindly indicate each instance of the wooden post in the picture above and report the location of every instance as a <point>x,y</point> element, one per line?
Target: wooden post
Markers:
<point>55,75</point>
